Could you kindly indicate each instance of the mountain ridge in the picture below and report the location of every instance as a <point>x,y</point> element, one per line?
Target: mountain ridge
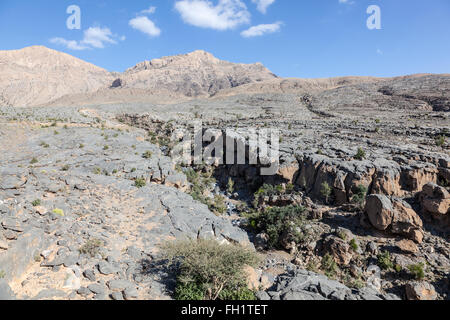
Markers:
<point>39,76</point>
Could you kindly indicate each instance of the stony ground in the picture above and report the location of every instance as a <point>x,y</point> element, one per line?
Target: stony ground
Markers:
<point>77,221</point>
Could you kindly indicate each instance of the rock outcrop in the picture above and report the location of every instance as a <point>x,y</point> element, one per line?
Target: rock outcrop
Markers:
<point>395,216</point>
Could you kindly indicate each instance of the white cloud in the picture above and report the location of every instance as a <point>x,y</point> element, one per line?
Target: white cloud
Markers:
<point>226,14</point>
<point>346,1</point>
<point>94,37</point>
<point>70,44</point>
<point>97,37</point>
<point>262,29</point>
<point>150,10</point>
<point>145,25</point>
<point>262,5</point>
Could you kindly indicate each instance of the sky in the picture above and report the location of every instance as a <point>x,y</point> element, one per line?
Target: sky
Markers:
<point>293,38</point>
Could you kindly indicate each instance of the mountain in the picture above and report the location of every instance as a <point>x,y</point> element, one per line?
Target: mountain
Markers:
<point>194,74</point>
<point>37,75</point>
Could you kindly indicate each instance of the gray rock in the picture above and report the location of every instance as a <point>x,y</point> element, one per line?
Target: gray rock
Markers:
<point>120,285</point>
<point>5,291</point>
<point>130,293</point>
<point>117,296</point>
<point>89,274</point>
<point>97,288</point>
<point>106,268</point>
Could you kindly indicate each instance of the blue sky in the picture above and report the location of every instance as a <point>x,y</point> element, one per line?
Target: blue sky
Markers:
<point>293,38</point>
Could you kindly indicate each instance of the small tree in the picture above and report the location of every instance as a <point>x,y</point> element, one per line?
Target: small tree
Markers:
<point>360,196</point>
<point>230,186</point>
<point>326,191</point>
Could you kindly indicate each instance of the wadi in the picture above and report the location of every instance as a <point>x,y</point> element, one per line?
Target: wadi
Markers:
<point>94,204</point>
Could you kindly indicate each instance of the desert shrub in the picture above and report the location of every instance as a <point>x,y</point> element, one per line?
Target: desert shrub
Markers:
<point>140,183</point>
<point>384,260</point>
<point>200,183</point>
<point>281,224</point>
<point>207,270</point>
<point>360,154</point>
<point>2,274</point>
<point>354,245</point>
<point>91,247</point>
<point>326,191</point>
<point>440,141</point>
<point>147,155</point>
<point>360,196</point>
<point>268,190</point>
<point>33,161</point>
<point>36,203</point>
<point>218,205</point>
<point>44,145</point>
<point>230,186</point>
<point>417,270</point>
<point>329,266</point>
<point>66,167</point>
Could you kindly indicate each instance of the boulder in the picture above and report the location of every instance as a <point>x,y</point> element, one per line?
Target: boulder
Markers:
<point>379,210</point>
<point>339,249</point>
<point>394,216</point>
<point>435,200</point>
<point>420,291</point>
<point>407,246</point>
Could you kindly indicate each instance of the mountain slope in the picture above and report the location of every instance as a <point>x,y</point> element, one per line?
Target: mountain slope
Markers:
<point>195,74</point>
<point>36,75</point>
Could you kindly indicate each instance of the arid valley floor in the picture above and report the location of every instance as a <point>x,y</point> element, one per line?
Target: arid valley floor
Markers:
<point>85,165</point>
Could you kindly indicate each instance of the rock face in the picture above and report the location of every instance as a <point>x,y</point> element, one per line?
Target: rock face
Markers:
<point>305,285</point>
<point>195,74</point>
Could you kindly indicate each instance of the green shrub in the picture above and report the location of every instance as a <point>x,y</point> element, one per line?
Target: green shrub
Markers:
<point>326,191</point>
<point>440,141</point>
<point>218,205</point>
<point>268,190</point>
<point>33,161</point>
<point>207,270</point>
<point>230,186</point>
<point>147,155</point>
<point>329,266</point>
<point>36,203</point>
<point>360,154</point>
<point>2,274</point>
<point>360,196</point>
<point>140,183</point>
<point>354,245</point>
<point>280,223</point>
<point>385,260</point>
<point>66,167</point>
<point>417,270</point>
